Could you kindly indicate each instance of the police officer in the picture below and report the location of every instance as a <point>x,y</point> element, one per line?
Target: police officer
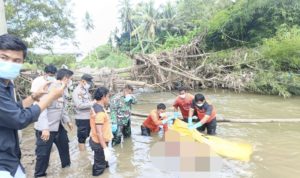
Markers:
<point>83,103</point>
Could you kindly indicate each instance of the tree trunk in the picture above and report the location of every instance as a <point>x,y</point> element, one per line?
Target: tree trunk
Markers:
<point>3,28</point>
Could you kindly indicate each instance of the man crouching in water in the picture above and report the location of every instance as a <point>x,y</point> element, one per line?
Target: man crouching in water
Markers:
<point>101,132</point>
<point>156,118</point>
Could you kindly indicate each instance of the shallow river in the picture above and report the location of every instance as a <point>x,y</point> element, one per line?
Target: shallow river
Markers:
<point>276,145</point>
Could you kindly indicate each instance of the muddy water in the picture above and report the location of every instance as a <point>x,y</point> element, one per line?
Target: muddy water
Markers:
<point>276,146</point>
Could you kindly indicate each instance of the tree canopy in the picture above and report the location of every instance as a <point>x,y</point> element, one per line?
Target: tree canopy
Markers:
<point>39,23</point>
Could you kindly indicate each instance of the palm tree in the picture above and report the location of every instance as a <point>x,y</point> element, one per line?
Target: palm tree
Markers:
<point>88,22</point>
<point>126,15</point>
<point>146,20</point>
<point>3,27</point>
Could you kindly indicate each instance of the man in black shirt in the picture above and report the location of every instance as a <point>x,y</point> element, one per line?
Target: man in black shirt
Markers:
<point>14,115</point>
<point>206,114</point>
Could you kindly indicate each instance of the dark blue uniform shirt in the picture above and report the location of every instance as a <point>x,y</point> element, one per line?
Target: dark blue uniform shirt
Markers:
<point>13,117</point>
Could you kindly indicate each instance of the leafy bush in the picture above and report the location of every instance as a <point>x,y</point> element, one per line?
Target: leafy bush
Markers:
<point>105,56</point>
<point>283,50</point>
<point>276,83</point>
<point>249,22</point>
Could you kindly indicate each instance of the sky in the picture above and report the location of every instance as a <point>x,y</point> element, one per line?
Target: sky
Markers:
<point>104,14</point>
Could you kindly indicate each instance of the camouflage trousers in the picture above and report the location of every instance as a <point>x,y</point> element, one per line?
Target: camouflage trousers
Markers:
<point>122,130</point>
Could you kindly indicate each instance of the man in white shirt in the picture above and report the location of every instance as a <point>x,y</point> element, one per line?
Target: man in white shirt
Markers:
<point>49,76</point>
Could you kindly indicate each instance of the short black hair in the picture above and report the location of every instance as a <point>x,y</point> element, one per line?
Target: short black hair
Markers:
<point>199,97</point>
<point>87,77</point>
<point>11,42</point>
<point>182,88</point>
<point>129,87</point>
<point>161,106</point>
<point>100,93</point>
<point>50,69</point>
<point>61,73</point>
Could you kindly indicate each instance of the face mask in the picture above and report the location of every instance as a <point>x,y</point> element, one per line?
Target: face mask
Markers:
<point>70,83</point>
<point>9,70</point>
<point>128,98</point>
<point>200,104</point>
<point>162,115</point>
<point>182,96</point>
<point>50,79</point>
<point>87,86</point>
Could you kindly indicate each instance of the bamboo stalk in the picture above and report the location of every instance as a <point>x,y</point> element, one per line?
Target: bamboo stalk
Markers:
<point>274,120</point>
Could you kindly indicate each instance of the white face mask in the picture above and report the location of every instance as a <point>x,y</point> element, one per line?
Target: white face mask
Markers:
<point>70,83</point>
<point>50,79</point>
<point>182,96</point>
<point>87,86</point>
<point>9,70</point>
<point>162,115</point>
<point>200,104</point>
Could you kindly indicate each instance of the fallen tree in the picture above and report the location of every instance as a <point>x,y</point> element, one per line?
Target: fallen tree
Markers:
<point>192,67</point>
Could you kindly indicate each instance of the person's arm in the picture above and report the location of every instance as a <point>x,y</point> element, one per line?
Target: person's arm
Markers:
<point>43,125</point>
<point>37,93</point>
<point>133,99</point>
<point>204,119</point>
<point>99,129</point>
<point>155,119</point>
<point>175,106</point>
<point>27,102</point>
<point>65,117</point>
<point>191,112</point>
<point>15,116</point>
<point>79,104</point>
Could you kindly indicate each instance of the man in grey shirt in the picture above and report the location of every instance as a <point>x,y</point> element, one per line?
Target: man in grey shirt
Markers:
<point>83,103</point>
<point>49,128</point>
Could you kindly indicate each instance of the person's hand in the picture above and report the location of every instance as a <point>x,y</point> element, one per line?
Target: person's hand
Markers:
<point>195,126</point>
<point>40,91</point>
<point>114,127</point>
<point>164,121</point>
<point>107,154</point>
<point>70,125</point>
<point>190,121</point>
<point>56,93</point>
<point>128,98</point>
<point>45,135</point>
<point>176,115</point>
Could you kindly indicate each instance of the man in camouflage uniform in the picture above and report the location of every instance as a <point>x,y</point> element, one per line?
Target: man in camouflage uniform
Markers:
<point>120,112</point>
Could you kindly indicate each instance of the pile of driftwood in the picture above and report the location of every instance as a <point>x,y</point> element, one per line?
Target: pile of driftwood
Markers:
<point>190,66</point>
<point>113,79</point>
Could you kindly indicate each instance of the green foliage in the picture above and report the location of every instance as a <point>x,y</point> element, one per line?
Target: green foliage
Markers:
<point>39,61</point>
<point>175,41</point>
<point>276,83</point>
<point>258,38</point>
<point>249,22</point>
<point>105,56</point>
<point>283,50</point>
<point>39,22</point>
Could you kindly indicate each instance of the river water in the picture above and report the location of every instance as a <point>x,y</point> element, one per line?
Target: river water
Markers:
<point>276,145</point>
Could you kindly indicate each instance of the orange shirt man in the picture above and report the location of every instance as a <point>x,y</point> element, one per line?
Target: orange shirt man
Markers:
<point>156,118</point>
<point>183,102</point>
